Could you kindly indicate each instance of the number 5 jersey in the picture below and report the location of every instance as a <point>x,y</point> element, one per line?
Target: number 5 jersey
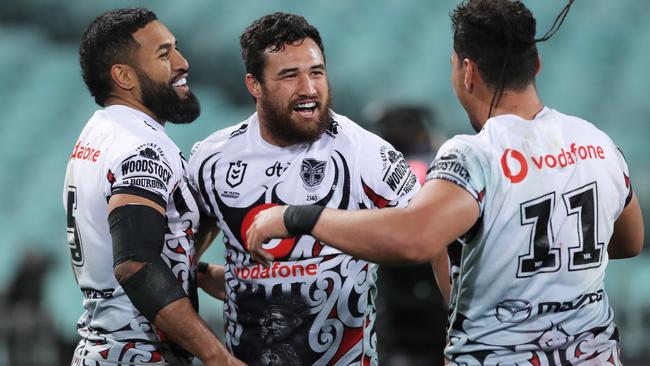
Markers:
<point>122,150</point>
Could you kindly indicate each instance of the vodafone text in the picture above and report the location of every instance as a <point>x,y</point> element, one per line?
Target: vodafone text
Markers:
<point>518,171</point>
<point>570,157</point>
<point>276,270</point>
<point>85,152</point>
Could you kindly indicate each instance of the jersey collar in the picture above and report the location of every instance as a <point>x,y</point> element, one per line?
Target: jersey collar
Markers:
<point>256,135</point>
<point>543,112</point>
<point>137,114</point>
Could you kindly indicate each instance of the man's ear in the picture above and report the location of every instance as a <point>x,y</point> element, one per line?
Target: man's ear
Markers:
<point>124,76</point>
<point>470,74</point>
<point>538,66</point>
<point>254,86</point>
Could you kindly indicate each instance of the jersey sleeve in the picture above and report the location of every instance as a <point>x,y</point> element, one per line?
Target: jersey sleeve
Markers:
<point>626,177</point>
<point>386,178</point>
<point>144,171</point>
<point>458,163</point>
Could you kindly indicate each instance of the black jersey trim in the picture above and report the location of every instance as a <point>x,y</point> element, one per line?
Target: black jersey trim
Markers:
<point>137,191</point>
<point>202,189</point>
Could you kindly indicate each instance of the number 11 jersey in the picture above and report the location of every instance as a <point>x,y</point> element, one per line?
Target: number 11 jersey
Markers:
<point>527,280</point>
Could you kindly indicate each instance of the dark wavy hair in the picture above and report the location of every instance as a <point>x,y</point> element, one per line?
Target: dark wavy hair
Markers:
<point>499,36</point>
<point>273,31</point>
<point>107,41</point>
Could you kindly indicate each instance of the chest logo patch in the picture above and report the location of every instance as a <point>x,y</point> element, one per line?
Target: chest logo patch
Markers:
<point>312,172</point>
<point>235,175</point>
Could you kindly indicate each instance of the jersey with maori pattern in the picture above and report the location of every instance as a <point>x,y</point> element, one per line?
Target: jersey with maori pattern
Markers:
<point>122,150</point>
<point>527,279</point>
<point>314,305</point>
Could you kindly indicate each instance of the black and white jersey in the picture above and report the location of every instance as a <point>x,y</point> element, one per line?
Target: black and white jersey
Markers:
<point>528,278</point>
<point>315,304</point>
<point>122,150</point>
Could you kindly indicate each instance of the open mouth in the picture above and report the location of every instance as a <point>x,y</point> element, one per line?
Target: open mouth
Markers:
<point>181,84</point>
<point>306,109</point>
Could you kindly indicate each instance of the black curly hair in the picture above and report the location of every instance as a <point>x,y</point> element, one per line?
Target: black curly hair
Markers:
<point>488,31</point>
<point>273,31</point>
<point>107,41</point>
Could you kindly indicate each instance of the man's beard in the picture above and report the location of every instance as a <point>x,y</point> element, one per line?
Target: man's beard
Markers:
<point>165,103</point>
<point>282,127</point>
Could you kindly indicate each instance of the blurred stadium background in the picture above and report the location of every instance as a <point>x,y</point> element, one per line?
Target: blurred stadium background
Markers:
<point>378,52</point>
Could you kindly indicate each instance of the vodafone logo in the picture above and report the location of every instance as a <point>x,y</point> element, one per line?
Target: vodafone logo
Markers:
<point>515,165</point>
<point>85,152</point>
<point>278,248</point>
<point>515,159</point>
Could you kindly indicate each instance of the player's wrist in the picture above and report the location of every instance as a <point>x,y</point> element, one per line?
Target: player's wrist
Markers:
<point>202,267</point>
<point>301,219</point>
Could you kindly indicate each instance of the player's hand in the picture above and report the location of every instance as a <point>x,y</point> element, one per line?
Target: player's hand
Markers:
<point>213,281</point>
<point>267,224</point>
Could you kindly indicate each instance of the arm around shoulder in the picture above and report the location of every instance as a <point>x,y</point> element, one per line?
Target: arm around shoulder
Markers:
<point>627,239</point>
<point>438,214</point>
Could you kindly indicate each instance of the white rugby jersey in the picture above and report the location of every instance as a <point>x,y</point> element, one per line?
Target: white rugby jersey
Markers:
<point>528,278</point>
<point>122,150</point>
<point>314,305</point>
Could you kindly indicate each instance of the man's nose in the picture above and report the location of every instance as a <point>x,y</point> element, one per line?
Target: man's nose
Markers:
<point>179,62</point>
<point>306,86</point>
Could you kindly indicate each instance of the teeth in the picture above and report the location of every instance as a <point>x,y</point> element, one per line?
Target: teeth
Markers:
<point>306,105</point>
<point>180,82</point>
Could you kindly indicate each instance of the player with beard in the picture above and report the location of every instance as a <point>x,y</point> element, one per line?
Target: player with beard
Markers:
<point>131,214</point>
<point>295,149</point>
<point>534,206</point>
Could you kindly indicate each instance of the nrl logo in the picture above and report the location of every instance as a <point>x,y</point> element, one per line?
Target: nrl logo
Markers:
<point>312,172</point>
<point>235,175</point>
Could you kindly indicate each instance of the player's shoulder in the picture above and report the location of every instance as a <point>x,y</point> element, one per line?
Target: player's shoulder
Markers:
<point>129,137</point>
<point>222,139</point>
<point>465,144</point>
<point>579,125</point>
<point>347,133</point>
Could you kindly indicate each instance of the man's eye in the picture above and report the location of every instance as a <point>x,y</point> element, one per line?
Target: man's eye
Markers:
<point>164,55</point>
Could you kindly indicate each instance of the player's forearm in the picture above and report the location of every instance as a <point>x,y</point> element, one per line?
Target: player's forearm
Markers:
<point>183,326</point>
<point>213,281</point>
<point>208,231</point>
<point>440,213</point>
<point>381,236</point>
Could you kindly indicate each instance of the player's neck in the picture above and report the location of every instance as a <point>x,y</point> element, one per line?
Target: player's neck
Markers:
<point>525,104</point>
<point>269,137</point>
<point>135,104</point>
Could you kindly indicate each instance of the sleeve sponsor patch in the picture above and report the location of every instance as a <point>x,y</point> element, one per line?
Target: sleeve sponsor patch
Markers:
<point>451,166</point>
<point>457,163</point>
<point>145,168</point>
<point>396,171</point>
